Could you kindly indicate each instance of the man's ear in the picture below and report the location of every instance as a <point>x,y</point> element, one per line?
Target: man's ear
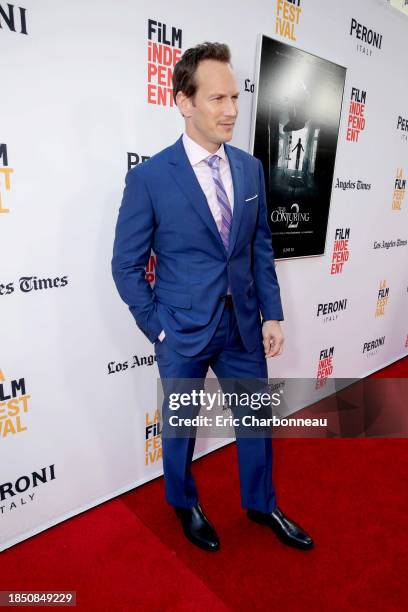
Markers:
<point>184,104</point>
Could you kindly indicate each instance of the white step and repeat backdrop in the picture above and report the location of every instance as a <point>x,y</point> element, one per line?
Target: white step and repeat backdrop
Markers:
<point>82,99</point>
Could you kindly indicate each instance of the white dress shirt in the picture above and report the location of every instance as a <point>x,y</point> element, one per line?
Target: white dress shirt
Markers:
<point>196,155</point>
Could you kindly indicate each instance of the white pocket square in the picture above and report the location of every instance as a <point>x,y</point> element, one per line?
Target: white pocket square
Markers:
<point>252,198</point>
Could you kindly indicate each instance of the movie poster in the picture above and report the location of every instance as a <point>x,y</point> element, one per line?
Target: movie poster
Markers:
<point>401,5</point>
<point>295,133</point>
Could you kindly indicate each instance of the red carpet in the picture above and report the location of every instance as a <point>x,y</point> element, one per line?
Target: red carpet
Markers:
<point>129,554</point>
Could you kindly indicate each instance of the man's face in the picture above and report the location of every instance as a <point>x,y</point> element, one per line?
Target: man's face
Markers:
<point>211,113</point>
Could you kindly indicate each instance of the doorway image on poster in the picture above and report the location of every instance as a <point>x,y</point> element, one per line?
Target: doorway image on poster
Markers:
<point>294,134</point>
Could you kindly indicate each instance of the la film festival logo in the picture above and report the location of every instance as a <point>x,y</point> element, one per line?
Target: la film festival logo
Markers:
<point>341,251</point>
<point>13,18</point>
<point>324,366</point>
<point>5,177</point>
<point>356,121</point>
<point>287,17</point>
<point>382,299</point>
<point>19,492</point>
<point>13,406</point>
<point>163,52</point>
<point>399,190</point>
<point>153,443</point>
<point>370,38</point>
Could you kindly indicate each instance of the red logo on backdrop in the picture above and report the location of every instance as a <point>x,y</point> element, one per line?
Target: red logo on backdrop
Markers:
<point>163,52</point>
<point>324,367</point>
<point>356,119</point>
<point>341,251</point>
<point>150,269</point>
<point>406,342</point>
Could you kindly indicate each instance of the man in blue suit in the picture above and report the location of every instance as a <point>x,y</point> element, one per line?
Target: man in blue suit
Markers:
<point>201,205</point>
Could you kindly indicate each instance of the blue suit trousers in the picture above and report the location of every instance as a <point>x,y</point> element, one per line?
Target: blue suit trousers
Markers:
<point>228,358</point>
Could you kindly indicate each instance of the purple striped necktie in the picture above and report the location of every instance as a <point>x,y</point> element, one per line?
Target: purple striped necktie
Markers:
<point>225,207</point>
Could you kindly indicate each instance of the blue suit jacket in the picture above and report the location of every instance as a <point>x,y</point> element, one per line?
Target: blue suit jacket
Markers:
<point>164,208</point>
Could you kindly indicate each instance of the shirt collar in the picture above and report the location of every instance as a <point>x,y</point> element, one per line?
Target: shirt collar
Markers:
<point>196,153</point>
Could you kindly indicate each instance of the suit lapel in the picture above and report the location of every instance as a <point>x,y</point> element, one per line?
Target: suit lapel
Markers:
<point>237,174</point>
<point>186,179</point>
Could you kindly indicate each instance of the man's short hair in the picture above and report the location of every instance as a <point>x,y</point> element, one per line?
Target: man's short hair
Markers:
<point>185,69</point>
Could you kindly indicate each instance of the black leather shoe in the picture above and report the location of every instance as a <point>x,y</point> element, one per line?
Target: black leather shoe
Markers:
<point>197,528</point>
<point>287,531</point>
